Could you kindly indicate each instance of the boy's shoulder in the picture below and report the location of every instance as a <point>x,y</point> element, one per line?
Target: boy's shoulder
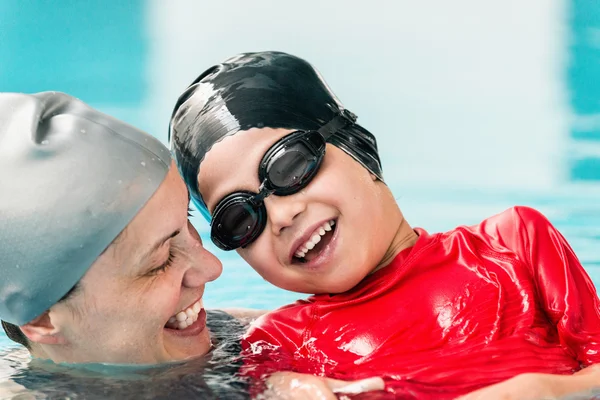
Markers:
<point>514,229</point>
<point>519,219</point>
<point>525,214</point>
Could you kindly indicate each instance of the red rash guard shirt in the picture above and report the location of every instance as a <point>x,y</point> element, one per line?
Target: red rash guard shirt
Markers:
<point>456,312</point>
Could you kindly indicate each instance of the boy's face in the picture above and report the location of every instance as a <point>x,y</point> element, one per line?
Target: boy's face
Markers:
<point>342,192</point>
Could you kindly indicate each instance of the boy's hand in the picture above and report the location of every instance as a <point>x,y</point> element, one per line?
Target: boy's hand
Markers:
<point>540,386</point>
<point>292,385</point>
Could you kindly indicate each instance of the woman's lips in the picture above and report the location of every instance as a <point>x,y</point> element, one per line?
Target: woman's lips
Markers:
<point>192,330</point>
<point>185,317</point>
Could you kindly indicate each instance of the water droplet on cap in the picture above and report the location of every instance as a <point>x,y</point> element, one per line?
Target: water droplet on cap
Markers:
<point>143,164</point>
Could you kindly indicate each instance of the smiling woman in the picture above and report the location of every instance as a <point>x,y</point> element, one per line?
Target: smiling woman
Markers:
<point>121,260</point>
<point>131,291</point>
<point>134,268</point>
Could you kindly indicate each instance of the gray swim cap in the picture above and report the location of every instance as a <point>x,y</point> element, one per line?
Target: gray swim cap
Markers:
<point>71,180</point>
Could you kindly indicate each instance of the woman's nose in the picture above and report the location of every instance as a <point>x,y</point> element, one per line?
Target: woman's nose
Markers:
<point>205,266</point>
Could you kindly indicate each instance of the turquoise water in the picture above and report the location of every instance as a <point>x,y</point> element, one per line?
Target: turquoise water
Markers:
<point>476,107</point>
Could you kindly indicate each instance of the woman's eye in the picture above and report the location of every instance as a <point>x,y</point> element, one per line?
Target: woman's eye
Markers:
<point>165,265</point>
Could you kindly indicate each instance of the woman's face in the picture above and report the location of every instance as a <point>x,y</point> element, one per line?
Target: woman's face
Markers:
<point>130,300</point>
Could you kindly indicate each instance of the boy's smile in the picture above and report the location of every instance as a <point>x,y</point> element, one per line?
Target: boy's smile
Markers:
<point>313,242</point>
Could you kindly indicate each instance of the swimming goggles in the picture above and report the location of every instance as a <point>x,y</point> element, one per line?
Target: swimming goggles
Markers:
<point>287,167</point>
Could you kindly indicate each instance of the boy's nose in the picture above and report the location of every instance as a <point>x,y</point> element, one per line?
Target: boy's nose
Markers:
<point>282,210</point>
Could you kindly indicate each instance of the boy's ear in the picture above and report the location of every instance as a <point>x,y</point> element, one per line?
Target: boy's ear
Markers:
<point>42,330</point>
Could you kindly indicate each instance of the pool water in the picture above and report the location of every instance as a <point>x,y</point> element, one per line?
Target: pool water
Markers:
<point>476,106</point>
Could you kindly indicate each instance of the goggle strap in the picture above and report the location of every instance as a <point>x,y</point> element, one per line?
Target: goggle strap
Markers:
<point>338,122</point>
<point>262,193</point>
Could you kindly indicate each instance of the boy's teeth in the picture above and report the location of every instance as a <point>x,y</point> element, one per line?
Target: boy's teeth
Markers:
<point>314,239</point>
<point>185,318</point>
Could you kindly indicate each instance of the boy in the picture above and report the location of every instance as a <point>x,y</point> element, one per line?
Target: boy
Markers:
<point>290,181</point>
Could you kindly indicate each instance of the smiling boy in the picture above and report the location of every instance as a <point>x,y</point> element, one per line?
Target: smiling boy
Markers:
<point>293,184</point>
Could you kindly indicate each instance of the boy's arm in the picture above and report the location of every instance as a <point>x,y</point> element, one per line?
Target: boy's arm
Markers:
<point>542,386</point>
<point>568,297</point>
<point>270,345</point>
<point>566,292</point>
<point>292,386</point>
<point>278,364</point>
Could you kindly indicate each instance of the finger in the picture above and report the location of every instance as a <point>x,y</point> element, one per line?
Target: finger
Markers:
<point>355,387</point>
<point>295,386</point>
<point>588,370</point>
<point>476,395</point>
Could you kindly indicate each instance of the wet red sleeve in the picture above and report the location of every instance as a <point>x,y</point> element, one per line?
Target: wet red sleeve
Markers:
<point>273,342</point>
<point>566,292</point>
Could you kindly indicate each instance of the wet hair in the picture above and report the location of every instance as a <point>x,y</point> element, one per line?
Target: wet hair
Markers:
<point>15,333</point>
